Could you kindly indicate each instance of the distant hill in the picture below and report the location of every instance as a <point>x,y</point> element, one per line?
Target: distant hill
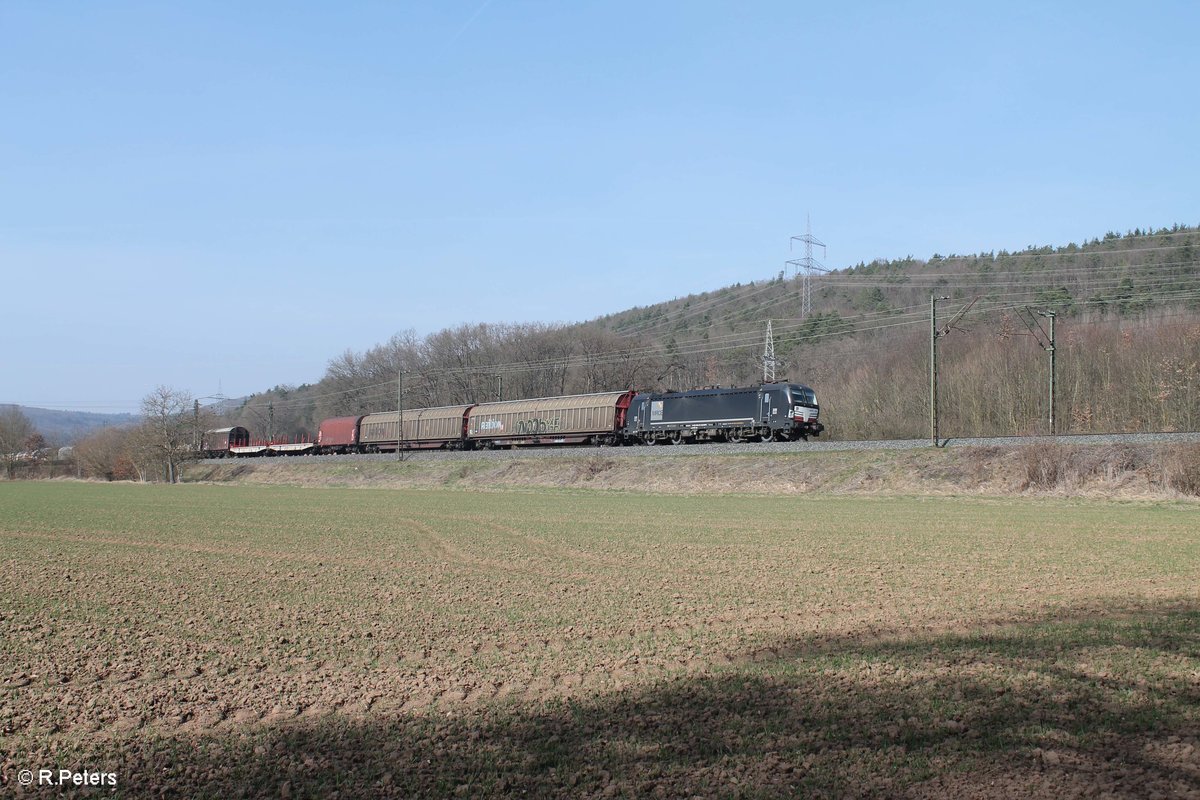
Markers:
<point>66,427</point>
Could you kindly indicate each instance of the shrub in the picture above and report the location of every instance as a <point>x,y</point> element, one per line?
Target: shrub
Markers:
<point>1182,470</point>
<point>1044,465</point>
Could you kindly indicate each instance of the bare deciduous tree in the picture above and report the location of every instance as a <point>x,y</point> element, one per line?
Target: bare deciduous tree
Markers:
<point>106,454</point>
<point>15,429</point>
<point>165,436</point>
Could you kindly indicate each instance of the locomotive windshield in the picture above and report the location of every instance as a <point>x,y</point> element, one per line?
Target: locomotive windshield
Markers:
<point>803,396</point>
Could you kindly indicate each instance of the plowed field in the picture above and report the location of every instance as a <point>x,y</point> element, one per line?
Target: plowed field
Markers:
<point>232,641</point>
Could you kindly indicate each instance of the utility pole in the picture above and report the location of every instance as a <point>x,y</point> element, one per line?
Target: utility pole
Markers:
<point>933,375</point>
<point>1051,350</point>
<point>934,335</point>
<point>499,387</point>
<point>271,422</point>
<point>196,425</point>
<point>1047,343</point>
<point>400,454</point>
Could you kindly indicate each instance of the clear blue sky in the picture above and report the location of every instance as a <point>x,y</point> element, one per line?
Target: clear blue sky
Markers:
<point>233,193</point>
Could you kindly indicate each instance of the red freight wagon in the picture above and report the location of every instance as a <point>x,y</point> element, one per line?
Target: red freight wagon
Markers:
<point>338,435</point>
<point>217,443</point>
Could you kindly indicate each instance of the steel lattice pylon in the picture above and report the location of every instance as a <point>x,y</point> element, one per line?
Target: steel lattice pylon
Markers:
<point>807,267</point>
<point>768,359</point>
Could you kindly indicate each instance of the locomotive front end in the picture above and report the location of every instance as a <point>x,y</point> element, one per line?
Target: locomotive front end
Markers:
<point>805,410</point>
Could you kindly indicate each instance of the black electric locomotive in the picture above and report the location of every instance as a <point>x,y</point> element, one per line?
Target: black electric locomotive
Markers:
<point>767,412</point>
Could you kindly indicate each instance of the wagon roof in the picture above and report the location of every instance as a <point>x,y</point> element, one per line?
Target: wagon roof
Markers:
<point>438,411</point>
<point>549,403</point>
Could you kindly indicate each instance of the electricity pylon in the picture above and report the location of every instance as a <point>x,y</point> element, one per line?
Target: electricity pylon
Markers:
<point>807,267</point>
<point>768,357</point>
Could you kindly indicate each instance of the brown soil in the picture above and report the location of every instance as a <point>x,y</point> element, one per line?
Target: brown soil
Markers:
<point>439,644</point>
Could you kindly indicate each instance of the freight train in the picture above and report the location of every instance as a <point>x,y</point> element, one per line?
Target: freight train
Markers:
<point>762,413</point>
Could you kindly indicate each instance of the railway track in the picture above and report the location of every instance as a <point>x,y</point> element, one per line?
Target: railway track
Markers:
<point>725,448</point>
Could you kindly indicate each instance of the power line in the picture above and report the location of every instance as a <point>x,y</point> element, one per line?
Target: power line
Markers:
<point>903,320</point>
<point>900,280</point>
<point>726,347</point>
<point>911,281</point>
<point>734,341</point>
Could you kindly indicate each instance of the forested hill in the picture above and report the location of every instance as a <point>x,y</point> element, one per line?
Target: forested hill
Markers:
<point>1128,327</point>
<point>66,427</point>
<point>1126,274</point>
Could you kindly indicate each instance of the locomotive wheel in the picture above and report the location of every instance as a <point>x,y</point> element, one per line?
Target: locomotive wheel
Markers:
<point>675,437</point>
<point>735,436</point>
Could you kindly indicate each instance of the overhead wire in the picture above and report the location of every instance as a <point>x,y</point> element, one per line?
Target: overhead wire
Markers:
<point>913,281</point>
<point>899,317</point>
<point>735,340</point>
<point>387,395</point>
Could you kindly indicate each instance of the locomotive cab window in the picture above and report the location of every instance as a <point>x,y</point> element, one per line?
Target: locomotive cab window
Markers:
<point>803,396</point>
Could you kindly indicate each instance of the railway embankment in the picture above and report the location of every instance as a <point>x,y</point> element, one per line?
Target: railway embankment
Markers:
<point>1121,471</point>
